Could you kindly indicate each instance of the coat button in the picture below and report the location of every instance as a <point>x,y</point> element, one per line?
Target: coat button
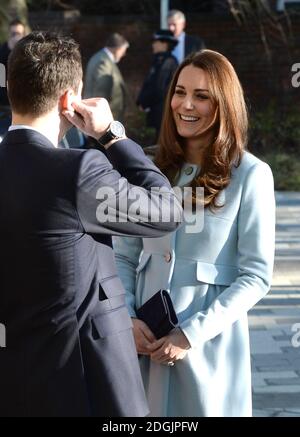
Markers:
<point>168,257</point>
<point>188,170</point>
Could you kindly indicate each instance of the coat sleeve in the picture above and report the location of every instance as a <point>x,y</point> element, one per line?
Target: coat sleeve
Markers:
<point>125,194</point>
<point>166,74</point>
<point>127,254</point>
<point>256,245</point>
<point>147,96</point>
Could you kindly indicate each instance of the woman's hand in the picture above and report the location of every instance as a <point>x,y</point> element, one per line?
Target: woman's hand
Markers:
<point>172,347</point>
<point>143,336</point>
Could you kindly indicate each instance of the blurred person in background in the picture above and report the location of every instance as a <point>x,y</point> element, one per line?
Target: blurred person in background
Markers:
<point>154,89</point>
<point>186,43</point>
<point>103,77</point>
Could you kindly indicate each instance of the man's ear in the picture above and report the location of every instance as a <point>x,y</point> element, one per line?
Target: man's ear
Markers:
<point>66,101</point>
<point>79,93</point>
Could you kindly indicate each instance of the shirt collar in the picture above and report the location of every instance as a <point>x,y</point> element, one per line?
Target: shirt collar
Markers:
<point>181,37</point>
<point>109,54</point>
<point>24,126</point>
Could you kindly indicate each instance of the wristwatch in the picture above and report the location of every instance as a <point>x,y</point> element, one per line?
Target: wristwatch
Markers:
<point>115,130</point>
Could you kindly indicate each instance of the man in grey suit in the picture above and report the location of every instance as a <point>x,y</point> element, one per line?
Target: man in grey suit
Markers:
<point>69,344</point>
<point>103,77</point>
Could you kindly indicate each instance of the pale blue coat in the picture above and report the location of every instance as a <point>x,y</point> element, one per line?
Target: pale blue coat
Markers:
<point>214,277</point>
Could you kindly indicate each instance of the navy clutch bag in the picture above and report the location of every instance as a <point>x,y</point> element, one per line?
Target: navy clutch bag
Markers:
<point>159,314</point>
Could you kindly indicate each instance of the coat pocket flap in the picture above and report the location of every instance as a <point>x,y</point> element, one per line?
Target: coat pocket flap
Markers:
<point>112,286</point>
<point>143,261</point>
<point>216,273</point>
<point>111,322</point>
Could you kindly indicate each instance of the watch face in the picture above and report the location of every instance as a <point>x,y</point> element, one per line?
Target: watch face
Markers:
<point>117,129</point>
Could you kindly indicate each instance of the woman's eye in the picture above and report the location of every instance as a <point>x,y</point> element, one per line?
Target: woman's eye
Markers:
<point>201,96</point>
<point>179,92</point>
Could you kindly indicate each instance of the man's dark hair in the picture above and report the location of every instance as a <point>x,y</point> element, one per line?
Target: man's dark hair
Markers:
<point>41,67</point>
<point>115,40</point>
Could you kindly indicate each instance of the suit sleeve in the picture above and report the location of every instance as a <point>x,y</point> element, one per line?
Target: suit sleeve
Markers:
<point>256,245</point>
<point>193,44</point>
<point>197,43</point>
<point>125,193</point>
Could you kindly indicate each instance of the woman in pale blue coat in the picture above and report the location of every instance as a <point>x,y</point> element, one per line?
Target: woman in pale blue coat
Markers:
<point>214,273</point>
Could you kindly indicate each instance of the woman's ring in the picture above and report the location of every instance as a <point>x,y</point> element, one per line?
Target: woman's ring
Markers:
<point>170,363</point>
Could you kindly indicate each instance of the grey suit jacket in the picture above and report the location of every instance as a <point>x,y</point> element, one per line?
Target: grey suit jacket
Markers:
<point>104,79</point>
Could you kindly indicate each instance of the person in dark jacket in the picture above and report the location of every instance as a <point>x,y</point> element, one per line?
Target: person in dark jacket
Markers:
<point>69,349</point>
<point>154,89</point>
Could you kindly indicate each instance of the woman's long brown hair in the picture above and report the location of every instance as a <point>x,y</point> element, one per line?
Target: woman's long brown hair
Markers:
<point>230,128</point>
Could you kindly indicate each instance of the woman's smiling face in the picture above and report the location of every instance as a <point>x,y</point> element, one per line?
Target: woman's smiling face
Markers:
<point>192,105</point>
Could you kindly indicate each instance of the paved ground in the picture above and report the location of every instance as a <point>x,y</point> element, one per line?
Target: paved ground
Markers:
<point>275,322</point>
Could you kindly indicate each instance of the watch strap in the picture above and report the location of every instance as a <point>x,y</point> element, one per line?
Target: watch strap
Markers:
<point>106,138</point>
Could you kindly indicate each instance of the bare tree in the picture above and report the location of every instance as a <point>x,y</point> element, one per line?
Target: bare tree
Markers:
<point>3,19</point>
<point>274,29</point>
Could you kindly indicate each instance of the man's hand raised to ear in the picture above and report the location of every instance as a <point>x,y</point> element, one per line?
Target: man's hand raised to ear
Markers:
<point>92,116</point>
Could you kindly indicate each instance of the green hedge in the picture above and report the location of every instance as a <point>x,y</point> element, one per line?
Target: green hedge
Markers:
<point>286,170</point>
<point>275,138</point>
